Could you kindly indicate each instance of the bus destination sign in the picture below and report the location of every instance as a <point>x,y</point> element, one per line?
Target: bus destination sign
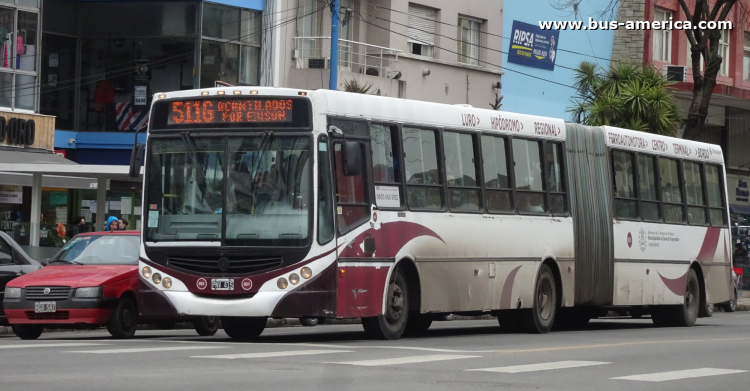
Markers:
<point>229,111</point>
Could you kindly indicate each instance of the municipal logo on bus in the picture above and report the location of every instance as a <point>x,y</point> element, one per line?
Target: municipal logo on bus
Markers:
<point>630,240</point>
<point>642,239</point>
<point>247,284</point>
<point>201,283</point>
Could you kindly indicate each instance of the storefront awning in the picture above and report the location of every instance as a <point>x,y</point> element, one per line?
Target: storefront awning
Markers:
<point>739,209</point>
<point>26,156</point>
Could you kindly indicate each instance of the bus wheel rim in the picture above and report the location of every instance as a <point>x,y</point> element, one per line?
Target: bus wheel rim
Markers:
<point>544,299</point>
<point>395,309</point>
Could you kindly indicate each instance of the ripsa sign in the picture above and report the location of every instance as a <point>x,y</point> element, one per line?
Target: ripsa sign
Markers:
<point>16,131</point>
<point>523,38</point>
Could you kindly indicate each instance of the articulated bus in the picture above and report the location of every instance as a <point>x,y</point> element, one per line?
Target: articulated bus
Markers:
<point>270,203</point>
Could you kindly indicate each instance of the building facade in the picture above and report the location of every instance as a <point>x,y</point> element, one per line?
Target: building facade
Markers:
<point>728,121</point>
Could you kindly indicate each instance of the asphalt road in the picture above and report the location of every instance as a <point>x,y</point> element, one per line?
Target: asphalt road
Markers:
<point>622,354</point>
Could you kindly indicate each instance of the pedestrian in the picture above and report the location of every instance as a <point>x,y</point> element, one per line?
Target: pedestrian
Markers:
<point>124,225</point>
<point>113,224</point>
<point>79,226</point>
<point>739,251</point>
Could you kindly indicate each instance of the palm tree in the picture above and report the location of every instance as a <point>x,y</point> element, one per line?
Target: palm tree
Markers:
<point>627,96</point>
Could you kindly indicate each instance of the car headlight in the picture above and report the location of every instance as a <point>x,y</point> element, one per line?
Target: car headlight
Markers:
<point>12,293</point>
<point>90,292</point>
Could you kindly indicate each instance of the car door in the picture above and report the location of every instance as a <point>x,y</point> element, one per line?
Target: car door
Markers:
<point>9,269</point>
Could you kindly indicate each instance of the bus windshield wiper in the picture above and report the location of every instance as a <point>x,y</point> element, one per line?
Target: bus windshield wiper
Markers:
<point>197,166</point>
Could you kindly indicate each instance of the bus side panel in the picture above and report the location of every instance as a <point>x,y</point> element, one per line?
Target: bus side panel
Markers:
<point>360,287</point>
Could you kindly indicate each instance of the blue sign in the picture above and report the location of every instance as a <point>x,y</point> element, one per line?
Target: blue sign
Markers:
<point>531,46</point>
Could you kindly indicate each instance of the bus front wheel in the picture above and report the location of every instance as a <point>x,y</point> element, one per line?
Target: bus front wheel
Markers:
<point>243,328</point>
<point>392,324</point>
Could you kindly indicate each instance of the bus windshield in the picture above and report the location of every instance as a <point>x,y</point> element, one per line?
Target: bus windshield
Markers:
<point>252,190</point>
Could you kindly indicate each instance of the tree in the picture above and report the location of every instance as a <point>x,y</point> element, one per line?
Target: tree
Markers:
<point>704,47</point>
<point>625,95</point>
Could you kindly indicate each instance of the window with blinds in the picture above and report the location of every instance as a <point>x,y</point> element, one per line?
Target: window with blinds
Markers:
<point>468,40</point>
<point>422,30</point>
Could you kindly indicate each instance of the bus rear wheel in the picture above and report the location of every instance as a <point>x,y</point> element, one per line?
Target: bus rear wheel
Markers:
<point>243,328</point>
<point>683,315</point>
<point>540,318</point>
<point>206,326</point>
<point>392,324</point>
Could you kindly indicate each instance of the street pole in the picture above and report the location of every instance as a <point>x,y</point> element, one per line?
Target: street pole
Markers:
<point>334,79</point>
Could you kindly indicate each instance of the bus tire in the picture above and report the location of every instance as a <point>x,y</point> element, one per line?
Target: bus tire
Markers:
<point>540,318</point>
<point>206,326</point>
<point>308,321</point>
<point>27,331</point>
<point>417,324</point>
<point>124,320</point>
<point>392,324</point>
<point>731,306</point>
<point>243,328</point>
<point>686,314</point>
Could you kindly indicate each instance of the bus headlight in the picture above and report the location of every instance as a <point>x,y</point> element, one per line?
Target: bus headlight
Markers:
<point>146,272</point>
<point>306,272</point>
<point>156,278</point>
<point>166,282</point>
<point>281,283</point>
<point>294,279</point>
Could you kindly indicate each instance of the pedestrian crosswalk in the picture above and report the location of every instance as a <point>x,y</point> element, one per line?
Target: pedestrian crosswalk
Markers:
<point>492,365</point>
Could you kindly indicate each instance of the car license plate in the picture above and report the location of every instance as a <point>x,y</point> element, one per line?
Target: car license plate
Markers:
<point>45,306</point>
<point>222,284</point>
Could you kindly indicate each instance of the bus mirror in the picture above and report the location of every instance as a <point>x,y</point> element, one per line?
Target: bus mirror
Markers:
<point>352,159</point>
<point>136,160</point>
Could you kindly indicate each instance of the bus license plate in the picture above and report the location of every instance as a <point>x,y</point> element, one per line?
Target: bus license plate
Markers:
<point>222,284</point>
<point>45,306</point>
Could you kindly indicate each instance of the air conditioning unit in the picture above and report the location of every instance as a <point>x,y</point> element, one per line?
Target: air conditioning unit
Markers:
<point>319,63</point>
<point>675,72</point>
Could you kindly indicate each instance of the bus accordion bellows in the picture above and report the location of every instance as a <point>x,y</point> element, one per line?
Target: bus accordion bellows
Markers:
<point>270,202</point>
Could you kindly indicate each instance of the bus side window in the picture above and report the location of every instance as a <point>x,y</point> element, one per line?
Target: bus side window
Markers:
<point>623,174</point>
<point>553,157</point>
<point>351,194</point>
<point>461,172</point>
<point>671,190</point>
<point>325,201</point>
<point>424,187</point>
<point>650,207</point>
<point>527,158</point>
<point>498,193</point>
<point>715,196</point>
<point>386,166</point>
<point>696,210</point>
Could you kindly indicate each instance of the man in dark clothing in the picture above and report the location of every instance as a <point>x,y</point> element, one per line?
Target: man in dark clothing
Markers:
<point>79,226</point>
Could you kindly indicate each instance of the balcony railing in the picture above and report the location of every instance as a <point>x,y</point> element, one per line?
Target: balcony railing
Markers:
<point>357,57</point>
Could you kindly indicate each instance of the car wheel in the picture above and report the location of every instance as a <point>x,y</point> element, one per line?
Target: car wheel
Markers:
<point>206,326</point>
<point>309,322</point>
<point>732,305</point>
<point>124,320</point>
<point>28,331</point>
<point>243,328</point>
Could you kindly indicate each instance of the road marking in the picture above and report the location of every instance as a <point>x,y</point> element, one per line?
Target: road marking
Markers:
<point>145,350</point>
<point>677,375</point>
<point>274,354</point>
<point>404,360</point>
<point>50,345</point>
<point>610,345</point>
<point>540,367</point>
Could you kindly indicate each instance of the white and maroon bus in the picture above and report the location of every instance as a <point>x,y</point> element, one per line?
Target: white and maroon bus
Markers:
<point>267,202</point>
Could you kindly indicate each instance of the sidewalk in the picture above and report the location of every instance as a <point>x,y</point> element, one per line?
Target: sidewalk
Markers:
<point>743,304</point>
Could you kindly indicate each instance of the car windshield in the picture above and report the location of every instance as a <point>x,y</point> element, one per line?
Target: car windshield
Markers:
<point>252,190</point>
<point>101,250</point>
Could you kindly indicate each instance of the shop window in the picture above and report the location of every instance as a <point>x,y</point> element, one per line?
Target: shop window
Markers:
<point>230,50</point>
<point>461,172</point>
<point>624,185</point>
<point>528,174</point>
<point>671,190</point>
<point>715,194</point>
<point>424,185</point>
<point>19,43</point>
<point>498,193</point>
<point>649,191</point>
<point>219,62</point>
<point>221,22</point>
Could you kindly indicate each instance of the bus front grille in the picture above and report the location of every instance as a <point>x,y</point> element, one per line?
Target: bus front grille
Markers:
<point>223,266</point>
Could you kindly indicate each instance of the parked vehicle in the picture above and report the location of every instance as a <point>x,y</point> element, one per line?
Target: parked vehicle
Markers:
<point>14,262</point>
<point>92,281</point>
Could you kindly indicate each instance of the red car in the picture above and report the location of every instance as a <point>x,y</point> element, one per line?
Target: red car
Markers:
<point>92,281</point>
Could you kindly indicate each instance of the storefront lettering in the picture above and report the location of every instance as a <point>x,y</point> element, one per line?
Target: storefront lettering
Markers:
<point>16,131</point>
<point>741,192</point>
